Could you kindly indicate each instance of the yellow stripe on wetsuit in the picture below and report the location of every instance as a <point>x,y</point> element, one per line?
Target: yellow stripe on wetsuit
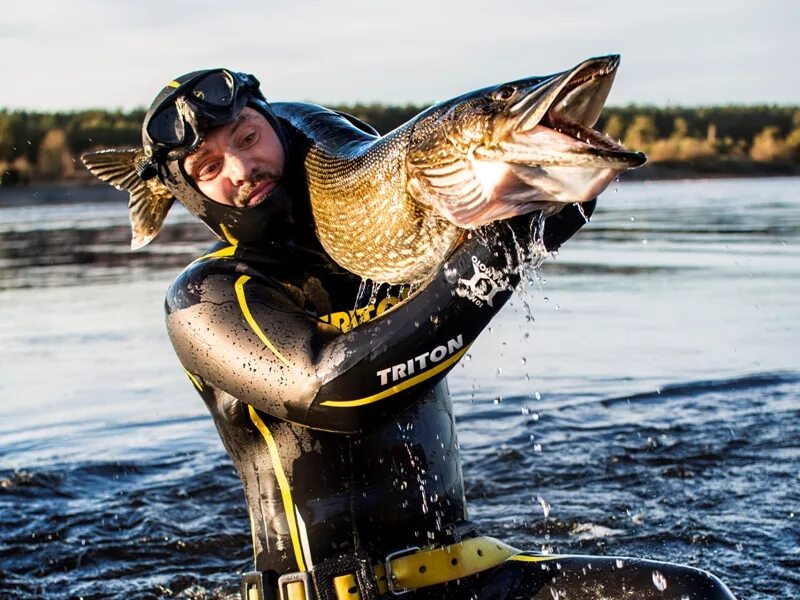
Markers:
<point>228,235</point>
<point>400,386</point>
<point>226,252</point>
<point>239,287</point>
<point>194,380</point>
<point>283,484</point>
<point>534,557</point>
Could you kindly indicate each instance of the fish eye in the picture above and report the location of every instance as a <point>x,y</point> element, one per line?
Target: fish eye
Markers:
<point>504,93</point>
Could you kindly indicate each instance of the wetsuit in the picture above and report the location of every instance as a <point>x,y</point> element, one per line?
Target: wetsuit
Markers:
<point>338,419</point>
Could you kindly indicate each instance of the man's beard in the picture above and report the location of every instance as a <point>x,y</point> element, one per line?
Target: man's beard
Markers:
<point>257,177</point>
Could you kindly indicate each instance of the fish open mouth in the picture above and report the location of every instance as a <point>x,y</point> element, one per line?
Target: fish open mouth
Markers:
<point>539,150</point>
<point>562,114</point>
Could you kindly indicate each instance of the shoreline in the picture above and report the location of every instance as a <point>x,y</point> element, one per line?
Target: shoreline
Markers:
<point>39,191</point>
<point>669,170</point>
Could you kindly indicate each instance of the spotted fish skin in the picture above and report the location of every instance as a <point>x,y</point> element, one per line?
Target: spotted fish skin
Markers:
<point>392,208</point>
<point>357,185</point>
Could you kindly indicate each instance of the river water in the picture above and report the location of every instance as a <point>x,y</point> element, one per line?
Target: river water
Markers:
<point>647,406</point>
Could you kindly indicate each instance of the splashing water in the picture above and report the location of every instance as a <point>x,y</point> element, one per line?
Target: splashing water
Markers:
<point>362,288</point>
<point>373,297</point>
<point>659,581</point>
<point>579,206</point>
<point>545,506</point>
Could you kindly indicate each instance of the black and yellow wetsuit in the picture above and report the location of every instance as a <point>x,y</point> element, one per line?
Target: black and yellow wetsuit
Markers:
<point>341,427</point>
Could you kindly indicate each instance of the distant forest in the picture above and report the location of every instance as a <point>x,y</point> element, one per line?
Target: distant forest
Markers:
<point>679,141</point>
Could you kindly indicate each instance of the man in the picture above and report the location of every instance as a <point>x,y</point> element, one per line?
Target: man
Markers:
<point>338,419</point>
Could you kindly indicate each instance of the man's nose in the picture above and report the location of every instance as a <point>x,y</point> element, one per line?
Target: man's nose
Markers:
<point>237,168</point>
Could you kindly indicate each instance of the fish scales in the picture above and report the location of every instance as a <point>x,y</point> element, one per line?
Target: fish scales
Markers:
<point>363,216</point>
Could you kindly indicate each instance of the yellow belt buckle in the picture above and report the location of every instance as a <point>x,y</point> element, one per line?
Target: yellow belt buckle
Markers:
<point>303,577</point>
<point>390,577</point>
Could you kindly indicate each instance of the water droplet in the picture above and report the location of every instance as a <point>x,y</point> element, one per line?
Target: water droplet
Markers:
<point>545,506</point>
<point>659,581</point>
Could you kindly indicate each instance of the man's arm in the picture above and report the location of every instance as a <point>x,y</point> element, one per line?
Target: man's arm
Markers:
<point>245,335</point>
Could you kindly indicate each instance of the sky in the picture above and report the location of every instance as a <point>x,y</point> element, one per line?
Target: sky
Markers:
<point>74,54</point>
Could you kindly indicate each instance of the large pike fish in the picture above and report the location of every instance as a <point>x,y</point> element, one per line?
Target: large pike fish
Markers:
<point>391,208</point>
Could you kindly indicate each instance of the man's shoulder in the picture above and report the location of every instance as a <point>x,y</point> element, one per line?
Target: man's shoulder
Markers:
<point>206,275</point>
<point>219,276</point>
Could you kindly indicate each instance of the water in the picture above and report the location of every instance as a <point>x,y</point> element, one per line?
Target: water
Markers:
<point>649,409</point>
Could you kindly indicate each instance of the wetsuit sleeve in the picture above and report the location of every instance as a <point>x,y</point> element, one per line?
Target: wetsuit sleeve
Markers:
<point>243,333</point>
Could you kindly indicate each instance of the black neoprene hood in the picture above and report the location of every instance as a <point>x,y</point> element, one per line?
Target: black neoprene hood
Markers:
<point>252,225</point>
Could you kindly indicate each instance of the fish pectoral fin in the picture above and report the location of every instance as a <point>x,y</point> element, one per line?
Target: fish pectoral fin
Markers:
<point>149,200</point>
<point>455,191</point>
<point>480,192</point>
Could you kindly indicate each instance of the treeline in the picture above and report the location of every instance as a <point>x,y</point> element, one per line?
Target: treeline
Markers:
<point>45,146</point>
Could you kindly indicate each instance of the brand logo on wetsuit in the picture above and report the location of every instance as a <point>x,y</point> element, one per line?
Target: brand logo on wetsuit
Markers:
<point>347,320</point>
<point>421,362</point>
<point>483,285</point>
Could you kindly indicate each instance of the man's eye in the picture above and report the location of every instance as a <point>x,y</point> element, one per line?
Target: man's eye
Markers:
<point>208,170</point>
<point>249,138</point>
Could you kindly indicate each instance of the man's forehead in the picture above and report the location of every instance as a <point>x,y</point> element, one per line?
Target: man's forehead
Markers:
<point>247,114</point>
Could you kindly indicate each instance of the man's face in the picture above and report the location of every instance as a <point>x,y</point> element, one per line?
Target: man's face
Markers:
<point>240,163</point>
